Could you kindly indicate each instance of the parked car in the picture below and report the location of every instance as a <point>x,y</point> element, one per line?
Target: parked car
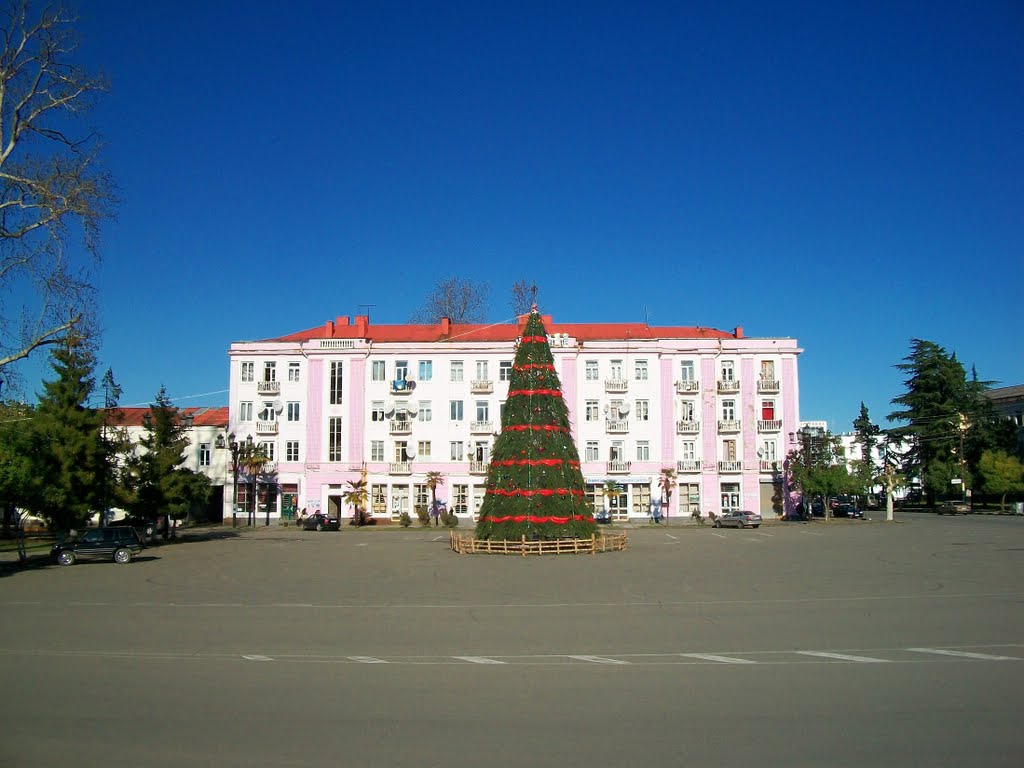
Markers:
<point>318,521</point>
<point>818,508</point>
<point>738,519</point>
<point>118,543</point>
<point>954,508</point>
<point>603,516</point>
<point>143,525</point>
<point>847,510</point>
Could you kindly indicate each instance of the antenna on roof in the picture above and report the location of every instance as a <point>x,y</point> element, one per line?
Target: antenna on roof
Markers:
<point>646,321</point>
<point>368,308</point>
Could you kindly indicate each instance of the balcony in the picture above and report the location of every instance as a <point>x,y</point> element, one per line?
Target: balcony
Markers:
<point>687,387</point>
<point>481,427</point>
<point>767,386</point>
<point>399,468</point>
<point>687,427</point>
<point>730,466</point>
<point>402,387</point>
<point>266,427</point>
<point>616,426</point>
<point>769,425</point>
<point>618,467</point>
<point>478,467</point>
<point>616,385</point>
<point>690,465</point>
<point>769,466</point>
<point>729,425</point>
<point>268,387</point>
<point>400,426</point>
<point>481,386</point>
<point>728,385</point>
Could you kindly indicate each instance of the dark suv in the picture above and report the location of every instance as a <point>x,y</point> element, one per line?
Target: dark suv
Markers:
<point>118,544</point>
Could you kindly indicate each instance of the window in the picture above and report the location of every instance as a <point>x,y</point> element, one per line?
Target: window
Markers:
<point>456,413</point>
<point>377,410</point>
<point>204,454</point>
<point>482,411</point>
<point>248,370</point>
<point>426,370</point>
<point>336,382</point>
<point>377,370</point>
<point>643,450</point>
<point>478,499</point>
<point>376,450</point>
<point>767,370</point>
<point>729,450</point>
<point>423,450</point>
<point>425,412</point>
<point>505,370</point>
<point>482,451</point>
<point>728,371</point>
<point>456,451</point>
<point>686,370</point>
<point>642,500</point>
<point>456,370</point>
<point>268,450</point>
<point>293,411</point>
<point>460,499</point>
<point>482,370</point>
<point>293,371</point>
<point>590,367</point>
<point>768,410</point>
<point>378,499</point>
<point>769,451</point>
<point>730,496</point>
<point>689,499</point>
<point>267,412</point>
<point>686,410</point>
<point>334,439</point>
<point>421,495</point>
<point>689,452</point>
<point>269,371</point>
<point>728,410</point>
<point>592,451</point>
<point>615,410</point>
<point>640,370</point>
<point>616,369</point>
<point>591,411</point>
<point>291,450</point>
<point>245,411</point>
<point>643,410</point>
<point>399,500</point>
<point>401,451</point>
<point>617,451</point>
<point>401,370</point>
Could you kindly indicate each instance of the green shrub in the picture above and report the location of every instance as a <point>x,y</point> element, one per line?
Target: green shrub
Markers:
<point>450,520</point>
<point>404,520</point>
<point>423,515</point>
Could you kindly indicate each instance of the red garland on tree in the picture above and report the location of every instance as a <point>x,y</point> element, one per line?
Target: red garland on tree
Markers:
<point>542,494</point>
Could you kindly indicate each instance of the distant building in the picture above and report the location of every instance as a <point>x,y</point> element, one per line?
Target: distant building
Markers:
<point>1009,401</point>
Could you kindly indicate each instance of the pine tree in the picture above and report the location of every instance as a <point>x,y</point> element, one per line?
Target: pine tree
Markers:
<point>535,487</point>
<point>867,437</point>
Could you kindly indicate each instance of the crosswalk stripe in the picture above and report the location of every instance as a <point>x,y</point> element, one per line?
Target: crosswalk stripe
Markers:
<point>368,660</point>
<point>599,660</point>
<point>480,660</point>
<point>716,657</point>
<point>255,657</point>
<point>964,654</point>
<point>841,656</point>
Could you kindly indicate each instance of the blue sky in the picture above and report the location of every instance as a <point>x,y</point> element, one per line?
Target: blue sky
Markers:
<point>848,174</point>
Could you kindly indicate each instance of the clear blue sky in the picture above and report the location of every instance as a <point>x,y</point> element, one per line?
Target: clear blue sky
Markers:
<point>848,174</point>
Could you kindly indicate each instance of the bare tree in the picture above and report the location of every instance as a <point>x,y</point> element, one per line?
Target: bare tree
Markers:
<point>524,296</point>
<point>461,301</point>
<point>53,193</point>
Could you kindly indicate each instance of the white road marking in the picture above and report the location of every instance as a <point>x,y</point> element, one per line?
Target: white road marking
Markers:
<point>810,533</point>
<point>480,660</point>
<point>964,654</point>
<point>255,657</point>
<point>716,657</point>
<point>368,660</point>
<point>719,535</point>
<point>672,537</point>
<point>599,659</point>
<point>841,656</point>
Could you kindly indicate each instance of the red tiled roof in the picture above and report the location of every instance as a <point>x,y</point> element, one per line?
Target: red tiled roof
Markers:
<point>445,331</point>
<point>134,417</point>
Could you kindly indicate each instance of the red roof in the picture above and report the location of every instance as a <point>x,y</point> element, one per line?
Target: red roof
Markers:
<point>134,417</point>
<point>446,331</point>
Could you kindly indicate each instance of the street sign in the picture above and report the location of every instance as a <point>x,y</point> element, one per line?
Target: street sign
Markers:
<point>955,481</point>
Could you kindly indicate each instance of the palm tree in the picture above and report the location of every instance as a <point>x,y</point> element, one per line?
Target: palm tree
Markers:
<point>357,495</point>
<point>252,459</point>
<point>667,483</point>
<point>434,479</point>
<point>610,490</point>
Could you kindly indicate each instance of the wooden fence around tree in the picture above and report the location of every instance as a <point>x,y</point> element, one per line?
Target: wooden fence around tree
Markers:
<point>467,545</point>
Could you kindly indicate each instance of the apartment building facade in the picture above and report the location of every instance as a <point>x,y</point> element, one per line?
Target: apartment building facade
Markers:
<point>399,401</point>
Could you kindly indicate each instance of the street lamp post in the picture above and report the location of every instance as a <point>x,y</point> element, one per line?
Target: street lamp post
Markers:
<point>233,445</point>
<point>251,506</point>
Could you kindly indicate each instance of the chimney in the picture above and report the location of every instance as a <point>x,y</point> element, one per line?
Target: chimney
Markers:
<point>362,324</point>
<point>446,326</point>
<point>738,333</point>
<point>329,329</point>
<point>342,321</point>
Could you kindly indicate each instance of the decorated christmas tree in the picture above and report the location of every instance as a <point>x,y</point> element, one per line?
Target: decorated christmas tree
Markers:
<point>535,487</point>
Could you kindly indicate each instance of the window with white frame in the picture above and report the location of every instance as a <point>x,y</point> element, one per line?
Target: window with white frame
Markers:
<point>641,500</point>
<point>248,370</point>
<point>481,370</point>
<point>267,412</point>
<point>456,370</point>
<point>455,411</point>
<point>293,410</point>
<point>423,450</point>
<point>505,370</point>
<point>245,411</point>
<point>643,450</point>
<point>640,370</point>
<point>686,372</point>
<point>460,499</point>
<point>420,495</point>
<point>204,454</point>
<point>729,450</point>
<point>334,438</point>
<point>689,451</point>
<point>457,452</point>
<point>686,409</point>
<point>401,451</point>
<point>689,499</point>
<point>377,410</point>
<point>399,500</point>
<point>377,371</point>
<point>478,492</point>
<point>378,499</point>
<point>425,412</point>
<point>728,410</point>
<point>401,370</point>
<point>615,371</point>
<point>767,370</point>
<point>426,370</point>
<point>267,449</point>
<point>617,451</point>
<point>376,450</point>
<point>590,370</point>
<point>728,370</point>
<point>615,410</point>
<point>730,496</point>
<point>768,410</point>
<point>769,451</point>
<point>592,451</point>
<point>642,412</point>
<point>293,370</point>
<point>592,412</point>
<point>269,370</point>
<point>291,450</point>
<point>336,382</point>
<point>483,411</point>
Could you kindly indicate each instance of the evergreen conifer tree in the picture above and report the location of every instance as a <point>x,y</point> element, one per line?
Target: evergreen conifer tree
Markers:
<point>535,487</point>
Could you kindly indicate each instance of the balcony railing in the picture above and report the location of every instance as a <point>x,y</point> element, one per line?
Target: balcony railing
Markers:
<point>729,425</point>
<point>687,427</point>
<point>266,427</point>
<point>683,387</point>
<point>478,467</point>
<point>481,386</point>
<point>728,385</point>
<point>768,466</point>
<point>618,467</point>
<point>769,425</point>
<point>481,426</point>
<point>402,387</point>
<point>730,466</point>
<point>689,465</point>
<point>400,426</point>
<point>616,385</point>
<point>268,387</point>
<point>616,425</point>
<point>399,468</point>
<point>767,385</point>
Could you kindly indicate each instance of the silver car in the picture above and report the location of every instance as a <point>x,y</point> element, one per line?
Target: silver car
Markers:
<point>738,519</point>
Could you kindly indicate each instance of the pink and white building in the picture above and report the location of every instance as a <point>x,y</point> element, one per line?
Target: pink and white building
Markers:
<point>720,408</point>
